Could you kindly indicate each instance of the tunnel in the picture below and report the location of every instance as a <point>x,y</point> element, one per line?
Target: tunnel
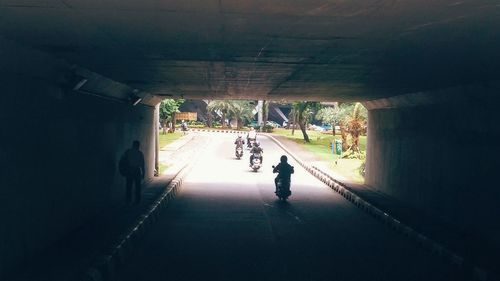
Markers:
<point>80,80</point>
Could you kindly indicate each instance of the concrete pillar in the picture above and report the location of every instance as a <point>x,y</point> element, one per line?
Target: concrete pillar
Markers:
<point>260,104</point>
<point>156,123</point>
<point>439,152</point>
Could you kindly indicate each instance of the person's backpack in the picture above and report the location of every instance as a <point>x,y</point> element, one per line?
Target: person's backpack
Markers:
<point>123,165</point>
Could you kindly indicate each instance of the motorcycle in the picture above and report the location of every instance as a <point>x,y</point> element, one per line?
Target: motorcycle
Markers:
<point>256,164</point>
<point>283,189</point>
<point>238,151</point>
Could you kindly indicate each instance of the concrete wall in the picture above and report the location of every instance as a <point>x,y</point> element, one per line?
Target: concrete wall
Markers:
<point>439,152</point>
<point>58,155</point>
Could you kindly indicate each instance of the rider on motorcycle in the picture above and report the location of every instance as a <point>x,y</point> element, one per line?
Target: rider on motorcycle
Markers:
<point>251,136</point>
<point>256,149</point>
<point>239,141</point>
<point>284,171</point>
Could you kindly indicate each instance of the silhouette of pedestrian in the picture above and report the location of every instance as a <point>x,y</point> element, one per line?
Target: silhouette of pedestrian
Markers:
<point>133,170</point>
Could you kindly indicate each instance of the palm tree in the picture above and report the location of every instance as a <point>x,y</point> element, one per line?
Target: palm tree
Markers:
<point>351,119</point>
<point>241,111</point>
<point>355,124</point>
<point>210,115</point>
<point>222,106</point>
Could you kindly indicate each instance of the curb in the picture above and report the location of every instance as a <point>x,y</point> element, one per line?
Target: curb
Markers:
<point>105,266</point>
<point>479,274</point>
<point>217,131</point>
<point>180,142</point>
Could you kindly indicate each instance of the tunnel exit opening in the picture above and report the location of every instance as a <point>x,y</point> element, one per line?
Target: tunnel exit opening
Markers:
<point>331,133</point>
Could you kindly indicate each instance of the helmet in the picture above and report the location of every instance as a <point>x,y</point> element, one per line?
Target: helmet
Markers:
<point>256,143</point>
<point>283,158</point>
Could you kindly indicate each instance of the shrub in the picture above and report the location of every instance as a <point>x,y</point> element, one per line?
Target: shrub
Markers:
<point>196,123</point>
<point>362,168</point>
<point>268,128</point>
<point>197,126</point>
<point>351,154</point>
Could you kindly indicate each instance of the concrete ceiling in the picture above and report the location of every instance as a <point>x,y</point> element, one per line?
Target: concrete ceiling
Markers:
<point>270,49</point>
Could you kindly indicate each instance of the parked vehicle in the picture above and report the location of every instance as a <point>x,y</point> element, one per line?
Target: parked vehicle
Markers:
<point>273,124</point>
<point>327,126</point>
<point>317,128</point>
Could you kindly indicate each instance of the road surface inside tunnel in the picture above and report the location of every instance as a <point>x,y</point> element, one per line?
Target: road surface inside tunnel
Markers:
<point>227,224</point>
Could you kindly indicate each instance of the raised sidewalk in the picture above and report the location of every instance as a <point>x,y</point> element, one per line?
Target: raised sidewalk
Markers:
<point>71,257</point>
<point>475,256</point>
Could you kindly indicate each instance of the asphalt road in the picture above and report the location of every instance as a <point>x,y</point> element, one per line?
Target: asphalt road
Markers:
<point>227,224</point>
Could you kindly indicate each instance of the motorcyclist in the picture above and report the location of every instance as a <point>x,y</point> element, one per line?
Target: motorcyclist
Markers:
<point>284,171</point>
<point>239,141</point>
<point>251,136</point>
<point>256,149</point>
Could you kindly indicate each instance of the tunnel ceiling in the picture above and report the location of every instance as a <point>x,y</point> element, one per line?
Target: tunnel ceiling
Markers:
<point>270,49</point>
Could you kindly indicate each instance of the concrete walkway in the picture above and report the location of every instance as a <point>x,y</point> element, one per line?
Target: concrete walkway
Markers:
<point>69,258</point>
<point>171,154</point>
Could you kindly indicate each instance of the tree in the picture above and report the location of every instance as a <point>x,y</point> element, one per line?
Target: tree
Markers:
<point>220,106</point>
<point>241,111</point>
<point>304,112</point>
<point>168,108</point>
<point>329,115</point>
<point>210,115</point>
<point>351,118</point>
<point>356,123</point>
<point>265,113</point>
<point>292,116</point>
<point>345,110</point>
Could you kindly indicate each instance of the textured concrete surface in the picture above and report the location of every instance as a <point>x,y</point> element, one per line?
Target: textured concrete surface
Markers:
<point>475,255</point>
<point>441,158</point>
<point>274,49</point>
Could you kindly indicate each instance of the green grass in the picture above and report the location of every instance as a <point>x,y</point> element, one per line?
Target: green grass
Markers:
<point>320,145</point>
<point>162,167</point>
<point>168,138</point>
<point>164,140</point>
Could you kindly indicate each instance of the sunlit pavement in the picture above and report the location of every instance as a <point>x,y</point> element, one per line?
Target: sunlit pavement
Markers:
<point>227,224</point>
